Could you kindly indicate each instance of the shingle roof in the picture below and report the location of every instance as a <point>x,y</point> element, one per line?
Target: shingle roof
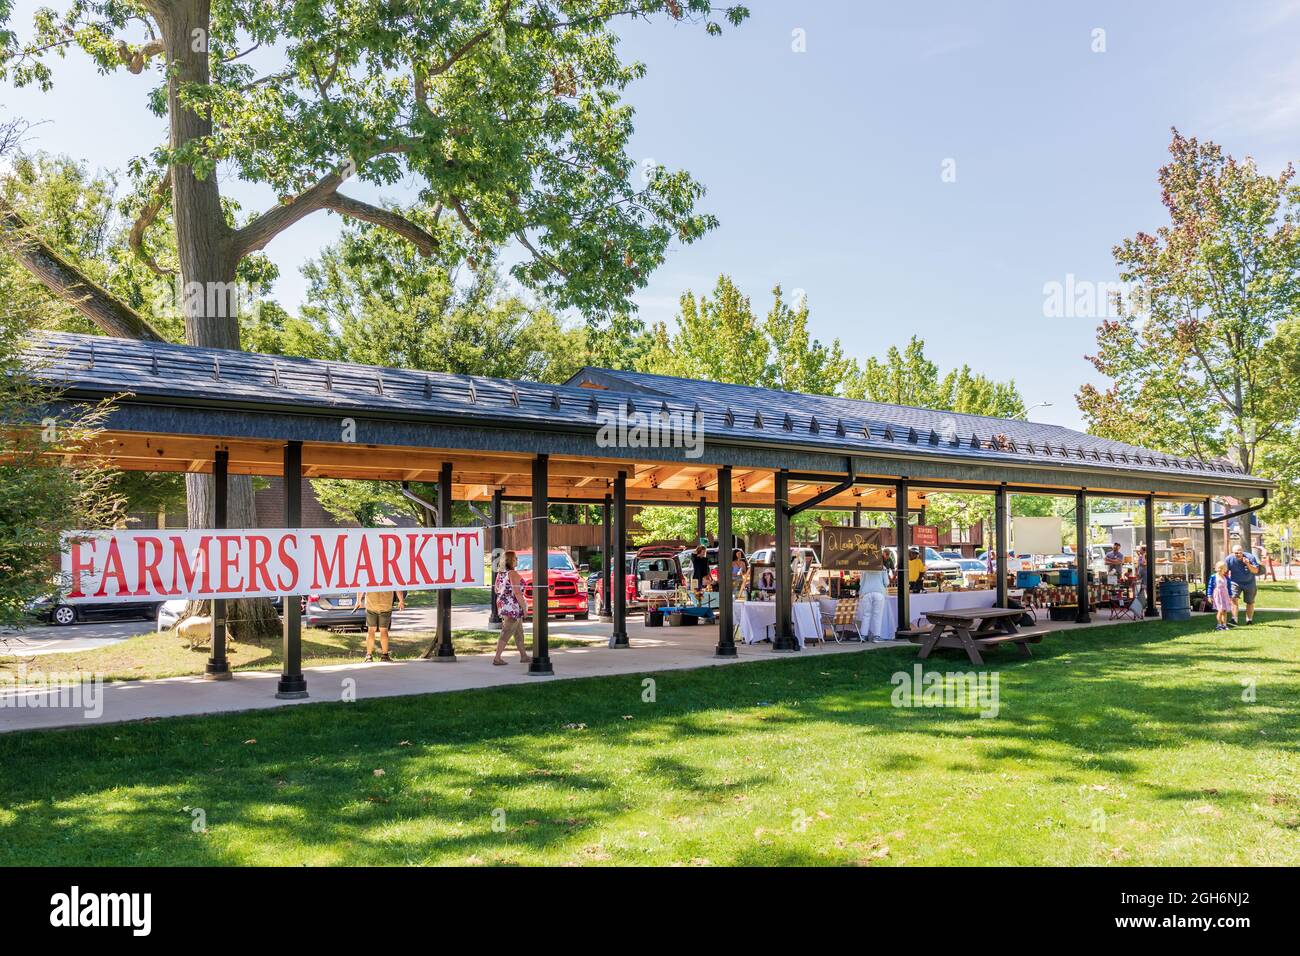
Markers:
<point>863,424</point>
<point>99,365</point>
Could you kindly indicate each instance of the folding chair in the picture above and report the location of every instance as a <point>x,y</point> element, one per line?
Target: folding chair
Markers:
<point>843,617</point>
<point>1122,606</point>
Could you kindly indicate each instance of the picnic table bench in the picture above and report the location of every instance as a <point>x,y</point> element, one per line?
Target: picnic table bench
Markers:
<point>973,629</point>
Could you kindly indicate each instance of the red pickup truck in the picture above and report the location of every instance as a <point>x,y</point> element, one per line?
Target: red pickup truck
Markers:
<point>568,592</point>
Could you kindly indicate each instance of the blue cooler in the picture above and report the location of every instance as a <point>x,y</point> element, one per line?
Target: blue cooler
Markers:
<point>1069,577</point>
<point>1028,579</point>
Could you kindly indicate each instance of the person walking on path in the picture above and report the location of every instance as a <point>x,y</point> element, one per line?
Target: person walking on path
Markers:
<point>1222,594</point>
<point>1242,570</point>
<point>509,588</point>
<point>379,616</point>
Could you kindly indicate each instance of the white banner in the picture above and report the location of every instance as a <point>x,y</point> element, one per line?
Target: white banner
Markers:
<point>161,565</point>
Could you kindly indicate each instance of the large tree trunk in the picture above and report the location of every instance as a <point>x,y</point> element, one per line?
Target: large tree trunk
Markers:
<point>208,297</point>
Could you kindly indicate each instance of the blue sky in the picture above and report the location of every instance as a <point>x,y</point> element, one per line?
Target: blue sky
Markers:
<point>825,166</point>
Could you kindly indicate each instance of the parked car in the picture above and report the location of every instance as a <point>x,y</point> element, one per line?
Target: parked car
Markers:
<point>971,568</point>
<point>334,610</point>
<point>800,558</point>
<point>952,556</point>
<point>657,569</point>
<point>568,591</point>
<point>1053,561</point>
<point>169,614</point>
<point>53,610</point>
<point>951,570</point>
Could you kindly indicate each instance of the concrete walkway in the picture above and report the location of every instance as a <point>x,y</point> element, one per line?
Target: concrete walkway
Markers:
<point>653,649</point>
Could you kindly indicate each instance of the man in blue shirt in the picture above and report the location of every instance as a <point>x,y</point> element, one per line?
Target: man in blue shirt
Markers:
<point>1242,568</point>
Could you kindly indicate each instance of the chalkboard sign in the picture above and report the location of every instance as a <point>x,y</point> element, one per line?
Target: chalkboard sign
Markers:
<point>852,549</point>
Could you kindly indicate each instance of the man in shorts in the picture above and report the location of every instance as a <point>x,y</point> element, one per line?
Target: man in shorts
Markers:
<point>1242,569</point>
<point>379,615</point>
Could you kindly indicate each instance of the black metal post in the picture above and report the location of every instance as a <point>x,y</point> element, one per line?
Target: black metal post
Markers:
<point>1208,526</point>
<point>218,667</point>
<point>1151,558</point>
<point>1000,543</point>
<point>618,581</point>
<point>541,662</point>
<point>1081,615</point>
<point>701,527</point>
<point>857,516</point>
<point>783,639</point>
<point>497,539</point>
<point>292,685</point>
<point>608,574</point>
<point>446,653</point>
<point>726,626</point>
<point>902,542</point>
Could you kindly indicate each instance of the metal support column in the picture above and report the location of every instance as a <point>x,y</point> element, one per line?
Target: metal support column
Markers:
<point>701,526</point>
<point>726,626</point>
<point>608,575</point>
<point>783,639</point>
<point>1000,543</point>
<point>218,667</point>
<point>1207,518</point>
<point>618,582</point>
<point>1151,557</point>
<point>446,653</point>
<point>857,516</point>
<point>497,563</point>
<point>1081,615</point>
<point>902,541</point>
<point>540,666</point>
<point>292,685</point>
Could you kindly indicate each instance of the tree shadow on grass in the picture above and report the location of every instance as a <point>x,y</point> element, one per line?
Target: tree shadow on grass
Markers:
<point>527,773</point>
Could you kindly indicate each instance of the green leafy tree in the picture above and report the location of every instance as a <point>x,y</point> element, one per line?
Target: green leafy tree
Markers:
<point>508,115</point>
<point>38,500</point>
<point>908,377</point>
<point>372,299</point>
<point>678,524</point>
<point>1198,358</point>
<point>796,361</point>
<point>716,338</point>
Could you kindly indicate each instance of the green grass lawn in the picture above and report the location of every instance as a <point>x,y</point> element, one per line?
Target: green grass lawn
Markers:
<point>1282,593</point>
<point>1119,745</point>
<point>166,654</point>
<point>459,597</point>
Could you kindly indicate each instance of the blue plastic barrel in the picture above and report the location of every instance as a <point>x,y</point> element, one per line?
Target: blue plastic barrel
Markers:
<point>1175,604</point>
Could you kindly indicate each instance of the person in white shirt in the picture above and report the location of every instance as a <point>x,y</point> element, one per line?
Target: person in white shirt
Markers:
<point>872,593</point>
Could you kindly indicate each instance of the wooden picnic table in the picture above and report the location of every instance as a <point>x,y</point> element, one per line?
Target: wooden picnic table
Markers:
<point>973,628</point>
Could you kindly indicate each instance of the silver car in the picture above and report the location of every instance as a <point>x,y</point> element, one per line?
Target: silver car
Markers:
<point>333,610</point>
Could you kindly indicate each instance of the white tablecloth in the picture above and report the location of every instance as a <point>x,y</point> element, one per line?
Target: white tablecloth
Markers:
<point>754,617</point>
<point>917,606</point>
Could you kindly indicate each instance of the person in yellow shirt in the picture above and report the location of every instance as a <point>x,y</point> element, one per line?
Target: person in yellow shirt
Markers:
<point>379,615</point>
<point>915,569</point>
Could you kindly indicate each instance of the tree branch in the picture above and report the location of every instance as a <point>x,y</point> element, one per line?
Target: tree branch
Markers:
<point>146,219</point>
<point>68,283</point>
<point>256,234</point>
<point>392,221</point>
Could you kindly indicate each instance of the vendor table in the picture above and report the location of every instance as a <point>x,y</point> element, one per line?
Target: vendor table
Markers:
<point>754,617</point>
